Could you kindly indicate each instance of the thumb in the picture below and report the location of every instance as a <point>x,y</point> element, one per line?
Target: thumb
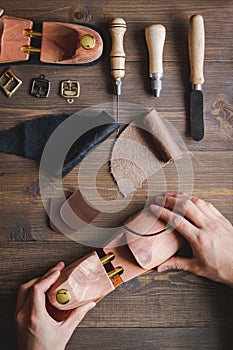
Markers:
<point>77,315</point>
<point>177,263</point>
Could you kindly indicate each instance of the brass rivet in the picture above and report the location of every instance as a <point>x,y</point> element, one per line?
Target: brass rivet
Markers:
<point>87,41</point>
<point>63,296</point>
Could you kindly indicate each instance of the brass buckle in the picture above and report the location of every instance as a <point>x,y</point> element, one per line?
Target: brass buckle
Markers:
<point>70,89</point>
<point>9,82</point>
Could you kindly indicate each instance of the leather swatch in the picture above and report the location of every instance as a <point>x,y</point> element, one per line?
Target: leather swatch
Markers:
<point>141,151</point>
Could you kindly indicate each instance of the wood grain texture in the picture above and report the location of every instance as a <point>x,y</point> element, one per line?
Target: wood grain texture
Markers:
<point>173,310</point>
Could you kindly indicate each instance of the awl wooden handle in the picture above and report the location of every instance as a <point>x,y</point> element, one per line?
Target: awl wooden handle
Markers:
<point>117,29</point>
<point>155,38</point>
<point>196,49</point>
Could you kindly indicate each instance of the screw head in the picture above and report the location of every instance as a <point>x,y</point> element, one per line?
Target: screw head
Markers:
<point>87,41</point>
<point>63,296</point>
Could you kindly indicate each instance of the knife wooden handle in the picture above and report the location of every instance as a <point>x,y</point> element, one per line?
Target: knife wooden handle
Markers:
<point>196,41</point>
<point>117,30</point>
<point>155,38</point>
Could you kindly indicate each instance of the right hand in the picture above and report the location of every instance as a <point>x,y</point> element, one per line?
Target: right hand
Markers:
<point>208,232</point>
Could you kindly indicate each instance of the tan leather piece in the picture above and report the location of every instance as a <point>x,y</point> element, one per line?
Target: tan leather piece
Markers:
<point>143,253</point>
<point>76,211</point>
<point>138,154</point>
<point>61,44</point>
<point>12,39</point>
<point>85,279</point>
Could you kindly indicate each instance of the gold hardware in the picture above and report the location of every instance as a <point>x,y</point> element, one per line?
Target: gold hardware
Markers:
<point>87,41</point>
<point>30,49</point>
<point>29,32</point>
<point>115,272</point>
<point>70,89</point>
<point>63,296</point>
<point>9,82</point>
<point>107,258</point>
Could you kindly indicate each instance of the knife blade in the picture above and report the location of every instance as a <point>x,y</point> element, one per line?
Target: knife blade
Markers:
<point>196,41</point>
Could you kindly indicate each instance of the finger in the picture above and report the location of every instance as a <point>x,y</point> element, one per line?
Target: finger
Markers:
<point>23,293</point>
<point>77,315</point>
<point>184,205</point>
<point>60,266</point>
<point>178,263</point>
<point>182,225</point>
<point>207,208</point>
<point>39,289</point>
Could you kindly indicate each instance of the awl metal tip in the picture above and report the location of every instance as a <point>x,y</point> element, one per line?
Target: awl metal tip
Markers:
<point>157,92</point>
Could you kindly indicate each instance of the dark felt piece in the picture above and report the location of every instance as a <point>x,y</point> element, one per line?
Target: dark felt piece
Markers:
<point>29,138</point>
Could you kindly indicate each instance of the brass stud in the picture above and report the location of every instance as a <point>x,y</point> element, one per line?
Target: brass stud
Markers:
<point>117,271</point>
<point>63,296</point>
<point>107,258</point>
<point>29,32</point>
<point>87,42</point>
<point>30,49</point>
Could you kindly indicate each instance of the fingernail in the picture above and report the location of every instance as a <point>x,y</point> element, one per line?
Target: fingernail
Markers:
<point>170,194</point>
<point>60,264</point>
<point>154,207</point>
<point>160,200</point>
<point>164,268</point>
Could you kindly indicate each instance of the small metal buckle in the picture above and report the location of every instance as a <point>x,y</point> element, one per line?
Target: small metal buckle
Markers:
<point>9,82</point>
<point>70,89</point>
<point>40,87</point>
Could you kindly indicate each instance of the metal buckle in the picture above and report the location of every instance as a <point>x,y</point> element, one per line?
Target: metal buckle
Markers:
<point>70,89</point>
<point>9,82</point>
<point>40,87</point>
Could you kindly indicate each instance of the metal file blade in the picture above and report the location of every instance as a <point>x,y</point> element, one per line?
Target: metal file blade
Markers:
<point>196,115</point>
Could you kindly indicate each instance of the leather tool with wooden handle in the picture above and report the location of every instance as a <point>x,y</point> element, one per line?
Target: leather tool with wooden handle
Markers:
<point>196,41</point>
<point>117,30</point>
<point>155,38</point>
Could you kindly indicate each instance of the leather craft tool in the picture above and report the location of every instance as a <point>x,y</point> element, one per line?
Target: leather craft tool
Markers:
<point>9,82</point>
<point>123,258</point>
<point>196,56</point>
<point>40,87</point>
<point>155,38</point>
<point>117,29</point>
<point>60,43</point>
<point>28,139</point>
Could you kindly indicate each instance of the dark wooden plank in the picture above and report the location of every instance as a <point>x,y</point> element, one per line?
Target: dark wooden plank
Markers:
<point>24,217</point>
<point>173,103</point>
<point>151,338</point>
<point>143,339</point>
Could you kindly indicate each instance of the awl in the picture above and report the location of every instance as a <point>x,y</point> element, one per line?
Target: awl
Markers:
<point>196,57</point>
<point>155,38</point>
<point>117,29</point>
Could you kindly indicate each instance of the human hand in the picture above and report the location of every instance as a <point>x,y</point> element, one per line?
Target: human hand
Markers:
<point>208,232</point>
<point>36,330</point>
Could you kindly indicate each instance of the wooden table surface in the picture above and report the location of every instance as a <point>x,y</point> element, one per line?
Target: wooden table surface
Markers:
<point>173,310</point>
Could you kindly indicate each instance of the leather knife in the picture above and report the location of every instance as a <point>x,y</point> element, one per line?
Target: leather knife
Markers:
<point>196,41</point>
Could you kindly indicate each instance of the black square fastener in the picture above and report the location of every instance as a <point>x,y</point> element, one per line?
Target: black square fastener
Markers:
<point>40,87</point>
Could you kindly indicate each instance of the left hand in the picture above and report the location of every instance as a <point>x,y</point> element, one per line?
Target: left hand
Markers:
<point>36,330</point>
